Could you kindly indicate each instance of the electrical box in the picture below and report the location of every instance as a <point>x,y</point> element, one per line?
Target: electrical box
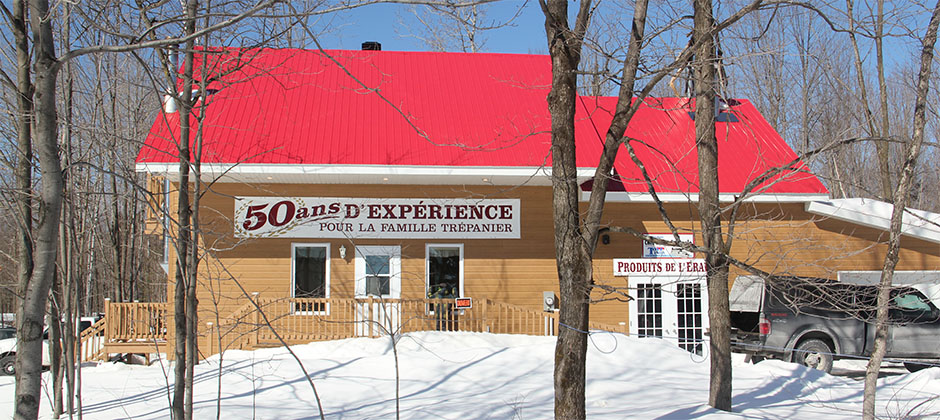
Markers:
<point>549,301</point>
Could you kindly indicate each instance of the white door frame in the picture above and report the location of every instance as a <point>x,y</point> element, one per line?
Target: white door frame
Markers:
<point>427,266</point>
<point>668,309</point>
<point>394,269</point>
<point>369,318</point>
<point>293,274</point>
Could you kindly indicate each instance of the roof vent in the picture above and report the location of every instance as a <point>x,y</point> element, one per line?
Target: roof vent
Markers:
<point>371,46</point>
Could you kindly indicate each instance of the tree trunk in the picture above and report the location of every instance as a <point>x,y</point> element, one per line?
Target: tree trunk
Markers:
<point>31,314</point>
<point>574,275</point>
<point>55,343</point>
<point>706,144</point>
<point>900,203</point>
<point>24,155</point>
<point>182,388</point>
<point>66,231</point>
<point>192,320</point>
<point>881,147</point>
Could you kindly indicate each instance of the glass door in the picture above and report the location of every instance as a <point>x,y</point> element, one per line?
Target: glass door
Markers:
<point>378,276</point>
<point>671,308</point>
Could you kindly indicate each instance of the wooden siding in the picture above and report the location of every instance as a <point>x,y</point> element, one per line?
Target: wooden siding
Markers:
<point>780,238</point>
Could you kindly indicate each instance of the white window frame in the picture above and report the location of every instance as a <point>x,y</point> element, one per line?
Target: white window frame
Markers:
<point>427,266</point>
<point>293,278</point>
<point>394,269</point>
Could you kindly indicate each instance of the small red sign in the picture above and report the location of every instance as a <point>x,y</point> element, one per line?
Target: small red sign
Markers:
<point>463,303</point>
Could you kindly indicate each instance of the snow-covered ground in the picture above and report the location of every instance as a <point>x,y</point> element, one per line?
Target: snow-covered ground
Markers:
<point>484,376</point>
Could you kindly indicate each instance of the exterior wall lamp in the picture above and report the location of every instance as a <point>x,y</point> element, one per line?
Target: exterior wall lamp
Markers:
<point>342,251</point>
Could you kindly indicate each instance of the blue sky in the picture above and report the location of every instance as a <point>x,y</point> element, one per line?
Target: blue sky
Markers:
<point>383,23</point>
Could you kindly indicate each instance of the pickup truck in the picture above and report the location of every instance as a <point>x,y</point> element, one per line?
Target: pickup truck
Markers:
<point>816,321</point>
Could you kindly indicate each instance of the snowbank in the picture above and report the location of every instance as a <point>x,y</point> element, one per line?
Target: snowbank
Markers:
<point>485,376</point>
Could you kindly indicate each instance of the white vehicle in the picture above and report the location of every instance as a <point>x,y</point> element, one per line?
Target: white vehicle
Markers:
<point>8,354</point>
<point>8,349</point>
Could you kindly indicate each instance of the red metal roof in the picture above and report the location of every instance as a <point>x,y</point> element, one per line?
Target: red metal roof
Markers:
<point>428,109</point>
<point>663,135</point>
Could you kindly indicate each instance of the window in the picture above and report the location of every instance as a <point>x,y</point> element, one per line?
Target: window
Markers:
<point>689,315</point>
<point>378,271</point>
<point>310,275</point>
<point>649,299</point>
<point>378,275</point>
<point>445,271</point>
<point>909,305</point>
<point>911,302</point>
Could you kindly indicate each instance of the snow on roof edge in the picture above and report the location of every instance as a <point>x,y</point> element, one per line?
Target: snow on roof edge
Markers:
<point>877,214</point>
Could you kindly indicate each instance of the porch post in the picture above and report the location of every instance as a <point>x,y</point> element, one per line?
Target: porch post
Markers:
<point>256,319</point>
<point>369,318</point>
<point>485,325</point>
<point>107,319</point>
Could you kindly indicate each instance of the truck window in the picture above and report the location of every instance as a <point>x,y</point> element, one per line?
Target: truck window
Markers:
<point>911,302</point>
<point>908,305</point>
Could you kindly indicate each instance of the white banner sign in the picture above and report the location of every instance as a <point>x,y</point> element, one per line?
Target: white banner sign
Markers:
<point>378,218</point>
<point>651,250</point>
<point>677,267</point>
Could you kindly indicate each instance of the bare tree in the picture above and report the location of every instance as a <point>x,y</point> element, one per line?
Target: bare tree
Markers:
<point>572,251</point>
<point>31,316</point>
<point>901,197</point>
<point>706,143</point>
<point>576,235</point>
<point>869,118</point>
<point>35,288</point>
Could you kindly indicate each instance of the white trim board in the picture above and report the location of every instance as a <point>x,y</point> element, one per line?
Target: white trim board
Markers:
<point>368,174</point>
<point>877,214</point>
<point>431,175</point>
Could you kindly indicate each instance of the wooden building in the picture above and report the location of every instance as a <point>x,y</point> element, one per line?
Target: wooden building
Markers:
<point>351,192</point>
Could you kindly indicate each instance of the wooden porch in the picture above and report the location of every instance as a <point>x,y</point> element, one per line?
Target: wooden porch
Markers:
<point>126,328</point>
<point>270,322</point>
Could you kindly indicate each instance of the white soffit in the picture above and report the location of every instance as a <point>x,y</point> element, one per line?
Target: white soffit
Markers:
<point>367,174</point>
<point>877,214</point>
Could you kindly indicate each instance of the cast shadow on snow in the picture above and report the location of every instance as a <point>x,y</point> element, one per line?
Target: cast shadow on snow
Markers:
<point>290,383</point>
<point>161,392</point>
<point>353,412</point>
<point>781,391</point>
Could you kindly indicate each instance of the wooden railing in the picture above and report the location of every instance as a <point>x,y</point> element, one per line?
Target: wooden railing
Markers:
<point>91,342</point>
<point>142,327</point>
<point>135,321</point>
<point>300,320</point>
<point>126,328</point>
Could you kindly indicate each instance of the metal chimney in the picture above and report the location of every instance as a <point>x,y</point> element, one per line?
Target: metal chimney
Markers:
<point>169,100</point>
<point>371,46</point>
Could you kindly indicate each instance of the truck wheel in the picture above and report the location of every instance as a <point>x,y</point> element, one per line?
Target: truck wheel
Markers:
<point>914,367</point>
<point>815,354</point>
<point>8,365</point>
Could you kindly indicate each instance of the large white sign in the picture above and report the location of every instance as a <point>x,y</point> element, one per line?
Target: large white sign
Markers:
<point>386,218</point>
<point>677,267</point>
<point>651,250</point>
